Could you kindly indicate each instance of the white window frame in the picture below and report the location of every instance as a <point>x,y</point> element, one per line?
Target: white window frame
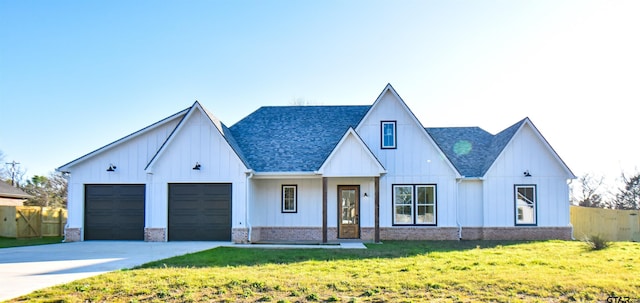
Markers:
<point>394,134</point>
<point>285,198</point>
<point>414,204</point>
<point>426,204</point>
<point>520,204</point>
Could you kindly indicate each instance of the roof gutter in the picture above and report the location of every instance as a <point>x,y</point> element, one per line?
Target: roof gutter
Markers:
<point>281,175</point>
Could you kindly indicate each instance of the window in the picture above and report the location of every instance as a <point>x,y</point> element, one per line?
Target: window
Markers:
<point>388,134</point>
<point>289,198</point>
<point>426,204</point>
<point>525,204</point>
<point>414,204</point>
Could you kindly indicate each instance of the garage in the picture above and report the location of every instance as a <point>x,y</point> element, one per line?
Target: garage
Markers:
<point>114,212</point>
<point>199,212</point>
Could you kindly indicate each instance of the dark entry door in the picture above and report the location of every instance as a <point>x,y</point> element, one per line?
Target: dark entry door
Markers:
<point>200,212</point>
<point>349,207</point>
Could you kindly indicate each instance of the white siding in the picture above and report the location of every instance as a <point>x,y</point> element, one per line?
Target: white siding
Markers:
<point>130,157</point>
<point>526,152</point>
<point>197,140</point>
<point>416,160</point>
<point>415,153</point>
<point>266,209</point>
<point>266,204</point>
<point>351,159</point>
<point>470,199</point>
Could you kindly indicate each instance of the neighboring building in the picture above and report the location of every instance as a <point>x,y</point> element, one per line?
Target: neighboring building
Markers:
<point>322,174</point>
<point>12,196</point>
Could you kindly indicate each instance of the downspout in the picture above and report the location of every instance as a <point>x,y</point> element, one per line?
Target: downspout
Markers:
<point>457,208</point>
<point>247,216</point>
<point>570,225</point>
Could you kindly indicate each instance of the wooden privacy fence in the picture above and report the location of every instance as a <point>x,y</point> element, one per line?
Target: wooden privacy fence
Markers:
<point>611,224</point>
<point>32,221</point>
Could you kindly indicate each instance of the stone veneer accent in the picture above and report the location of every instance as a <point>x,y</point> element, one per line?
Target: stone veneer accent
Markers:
<point>155,234</point>
<point>240,235</point>
<point>314,234</point>
<point>72,234</point>
<point>516,233</point>
<point>418,233</point>
<point>287,234</point>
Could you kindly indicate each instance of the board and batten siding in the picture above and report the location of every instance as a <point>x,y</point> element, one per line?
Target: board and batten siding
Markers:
<point>129,156</point>
<point>470,208</point>
<point>526,152</point>
<point>196,141</point>
<point>416,160</point>
<point>266,208</point>
<point>415,153</point>
<point>266,204</point>
<point>351,159</point>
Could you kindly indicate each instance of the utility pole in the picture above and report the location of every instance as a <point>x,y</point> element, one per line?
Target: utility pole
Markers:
<point>13,171</point>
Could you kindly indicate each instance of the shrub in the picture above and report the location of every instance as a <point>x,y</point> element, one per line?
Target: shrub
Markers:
<point>596,242</point>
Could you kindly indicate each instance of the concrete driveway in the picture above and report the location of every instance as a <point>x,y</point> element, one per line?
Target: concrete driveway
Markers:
<point>26,269</point>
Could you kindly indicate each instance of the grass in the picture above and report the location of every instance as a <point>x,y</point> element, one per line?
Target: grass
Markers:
<point>444,271</point>
<point>12,242</point>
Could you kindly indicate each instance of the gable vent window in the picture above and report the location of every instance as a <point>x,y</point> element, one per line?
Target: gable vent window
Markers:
<point>388,134</point>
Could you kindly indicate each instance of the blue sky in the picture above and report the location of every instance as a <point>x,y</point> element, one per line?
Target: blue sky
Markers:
<point>76,75</point>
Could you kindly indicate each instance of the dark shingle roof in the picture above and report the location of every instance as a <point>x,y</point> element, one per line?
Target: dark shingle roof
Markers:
<point>6,190</point>
<point>472,150</point>
<point>293,138</point>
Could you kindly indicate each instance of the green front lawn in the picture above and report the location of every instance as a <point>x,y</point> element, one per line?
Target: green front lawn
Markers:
<point>447,271</point>
<point>12,242</point>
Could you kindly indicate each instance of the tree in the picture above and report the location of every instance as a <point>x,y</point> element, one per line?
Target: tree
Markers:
<point>9,173</point>
<point>47,191</point>
<point>628,197</point>
<point>3,170</point>
<point>590,195</point>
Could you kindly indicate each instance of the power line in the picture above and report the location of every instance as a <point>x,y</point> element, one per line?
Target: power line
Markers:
<point>13,171</point>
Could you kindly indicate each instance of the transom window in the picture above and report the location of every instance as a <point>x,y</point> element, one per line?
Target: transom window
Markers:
<point>388,134</point>
<point>525,204</point>
<point>414,204</point>
<point>289,198</point>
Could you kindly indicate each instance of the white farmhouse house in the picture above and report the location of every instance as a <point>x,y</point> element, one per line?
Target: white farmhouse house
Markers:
<point>319,174</point>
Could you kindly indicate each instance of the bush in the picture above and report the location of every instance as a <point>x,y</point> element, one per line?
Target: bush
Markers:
<point>597,242</point>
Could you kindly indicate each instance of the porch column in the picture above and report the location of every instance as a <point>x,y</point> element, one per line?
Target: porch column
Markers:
<point>324,209</point>
<point>376,187</point>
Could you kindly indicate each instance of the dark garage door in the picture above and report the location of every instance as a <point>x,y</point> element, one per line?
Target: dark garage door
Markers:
<point>199,212</point>
<point>114,212</point>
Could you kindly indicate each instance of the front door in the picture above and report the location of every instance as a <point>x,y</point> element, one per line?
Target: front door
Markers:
<point>349,217</point>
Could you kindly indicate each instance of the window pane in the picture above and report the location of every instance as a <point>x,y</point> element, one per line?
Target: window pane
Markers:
<point>349,206</point>
<point>525,205</point>
<point>403,215</point>
<point>388,134</point>
<point>289,198</point>
<point>403,201</point>
<point>425,195</point>
<point>426,215</point>
<point>404,195</point>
